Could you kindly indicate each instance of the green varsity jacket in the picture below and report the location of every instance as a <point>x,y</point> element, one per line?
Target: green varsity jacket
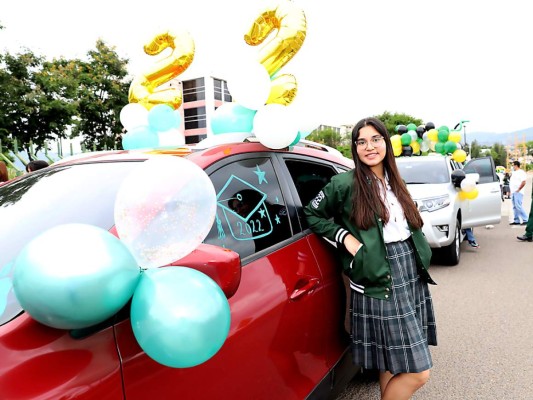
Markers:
<point>328,215</point>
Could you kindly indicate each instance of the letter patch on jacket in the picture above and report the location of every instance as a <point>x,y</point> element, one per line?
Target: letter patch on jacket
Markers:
<point>319,197</point>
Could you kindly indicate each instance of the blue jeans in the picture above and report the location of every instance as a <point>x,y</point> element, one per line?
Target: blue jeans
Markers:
<point>469,235</point>
<point>518,208</point>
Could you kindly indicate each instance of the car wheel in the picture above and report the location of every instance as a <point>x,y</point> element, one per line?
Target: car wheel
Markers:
<point>452,253</point>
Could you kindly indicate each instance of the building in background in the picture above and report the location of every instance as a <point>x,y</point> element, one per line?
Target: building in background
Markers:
<point>201,97</point>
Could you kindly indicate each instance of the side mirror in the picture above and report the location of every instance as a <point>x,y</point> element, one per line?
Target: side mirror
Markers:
<point>221,265</point>
<point>457,177</point>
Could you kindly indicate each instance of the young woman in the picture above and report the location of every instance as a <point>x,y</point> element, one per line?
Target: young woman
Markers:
<point>370,214</point>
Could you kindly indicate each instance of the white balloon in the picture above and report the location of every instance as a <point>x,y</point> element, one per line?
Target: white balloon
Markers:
<point>171,138</point>
<point>164,209</point>
<point>249,84</point>
<point>468,184</point>
<point>275,126</point>
<point>133,115</point>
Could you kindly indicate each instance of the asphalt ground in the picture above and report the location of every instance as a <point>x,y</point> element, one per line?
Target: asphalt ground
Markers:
<point>484,311</point>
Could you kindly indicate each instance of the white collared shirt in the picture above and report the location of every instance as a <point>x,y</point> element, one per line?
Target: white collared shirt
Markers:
<point>396,229</point>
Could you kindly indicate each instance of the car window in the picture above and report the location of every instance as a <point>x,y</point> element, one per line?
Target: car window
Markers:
<point>426,171</point>
<point>251,211</point>
<point>46,198</point>
<point>309,178</point>
<point>484,167</point>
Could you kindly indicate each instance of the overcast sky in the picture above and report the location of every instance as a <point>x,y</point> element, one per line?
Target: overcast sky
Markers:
<point>441,61</point>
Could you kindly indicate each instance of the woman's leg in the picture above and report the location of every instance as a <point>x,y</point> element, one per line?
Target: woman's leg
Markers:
<point>384,378</point>
<point>403,386</point>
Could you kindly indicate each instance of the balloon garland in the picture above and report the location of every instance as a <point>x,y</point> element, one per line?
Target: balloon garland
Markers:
<point>419,140</point>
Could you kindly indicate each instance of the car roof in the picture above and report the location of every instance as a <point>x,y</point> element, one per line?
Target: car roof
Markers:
<point>206,156</point>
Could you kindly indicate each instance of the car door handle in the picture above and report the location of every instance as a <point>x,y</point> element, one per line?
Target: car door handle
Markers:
<point>495,191</point>
<point>306,288</point>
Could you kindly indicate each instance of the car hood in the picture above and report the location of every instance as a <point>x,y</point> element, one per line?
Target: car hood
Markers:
<point>426,190</point>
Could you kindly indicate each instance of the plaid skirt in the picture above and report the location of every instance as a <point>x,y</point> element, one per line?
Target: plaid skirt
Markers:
<point>394,335</point>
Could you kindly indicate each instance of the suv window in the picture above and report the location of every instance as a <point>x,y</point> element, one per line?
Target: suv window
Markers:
<point>486,170</point>
<point>251,211</point>
<point>432,171</point>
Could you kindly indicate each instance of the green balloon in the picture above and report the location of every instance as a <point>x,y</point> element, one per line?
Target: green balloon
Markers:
<point>439,147</point>
<point>406,139</point>
<point>444,128</point>
<point>450,147</point>
<point>443,136</point>
<point>411,127</point>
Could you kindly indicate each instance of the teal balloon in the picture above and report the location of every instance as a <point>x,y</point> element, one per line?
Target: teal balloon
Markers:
<point>232,117</point>
<point>406,139</point>
<point>450,147</point>
<point>141,137</point>
<point>180,317</point>
<point>74,276</point>
<point>296,139</point>
<point>411,127</point>
<point>162,117</point>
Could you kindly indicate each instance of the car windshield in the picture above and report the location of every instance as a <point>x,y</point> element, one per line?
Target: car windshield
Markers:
<point>434,171</point>
<point>83,193</point>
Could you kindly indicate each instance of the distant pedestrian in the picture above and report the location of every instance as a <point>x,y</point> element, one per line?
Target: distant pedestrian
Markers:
<point>35,165</point>
<point>469,232</point>
<point>517,183</point>
<point>528,236</point>
<point>4,176</point>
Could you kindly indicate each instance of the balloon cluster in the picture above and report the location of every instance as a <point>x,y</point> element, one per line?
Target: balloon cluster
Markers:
<point>261,93</point>
<point>76,275</point>
<point>157,127</point>
<point>150,118</point>
<point>416,140</point>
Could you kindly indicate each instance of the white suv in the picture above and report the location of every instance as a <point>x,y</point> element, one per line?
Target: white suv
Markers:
<point>429,180</point>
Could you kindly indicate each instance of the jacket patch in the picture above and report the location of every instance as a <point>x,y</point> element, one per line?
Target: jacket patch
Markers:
<point>319,197</point>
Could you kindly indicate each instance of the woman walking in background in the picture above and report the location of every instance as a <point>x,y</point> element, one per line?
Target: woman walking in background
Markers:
<point>370,214</point>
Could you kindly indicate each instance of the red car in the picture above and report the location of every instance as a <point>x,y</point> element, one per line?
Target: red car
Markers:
<point>285,290</point>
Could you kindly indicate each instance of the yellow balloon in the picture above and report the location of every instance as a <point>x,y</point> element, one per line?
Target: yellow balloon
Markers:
<point>472,194</point>
<point>459,155</point>
<point>454,136</point>
<point>397,150</point>
<point>415,146</point>
<point>433,135</point>
<point>396,140</point>
<point>462,195</point>
<point>144,88</point>
<point>290,24</point>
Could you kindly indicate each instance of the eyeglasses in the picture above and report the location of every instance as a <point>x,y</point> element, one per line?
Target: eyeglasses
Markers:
<point>377,141</point>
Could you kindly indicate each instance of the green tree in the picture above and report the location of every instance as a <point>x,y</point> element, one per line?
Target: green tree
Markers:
<point>474,150</point>
<point>499,154</point>
<point>329,137</point>
<point>35,104</point>
<point>391,121</point>
<point>103,92</point>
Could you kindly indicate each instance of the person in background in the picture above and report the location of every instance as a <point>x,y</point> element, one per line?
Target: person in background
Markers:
<point>4,176</point>
<point>528,236</point>
<point>370,214</point>
<point>506,189</point>
<point>518,181</point>
<point>35,165</point>
<point>469,232</point>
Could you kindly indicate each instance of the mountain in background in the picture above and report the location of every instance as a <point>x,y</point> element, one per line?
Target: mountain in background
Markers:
<point>510,138</point>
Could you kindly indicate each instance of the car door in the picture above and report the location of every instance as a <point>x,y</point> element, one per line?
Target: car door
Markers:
<point>276,347</point>
<point>485,209</point>
<point>308,177</point>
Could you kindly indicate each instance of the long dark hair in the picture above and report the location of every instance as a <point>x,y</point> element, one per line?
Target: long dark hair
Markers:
<point>366,200</point>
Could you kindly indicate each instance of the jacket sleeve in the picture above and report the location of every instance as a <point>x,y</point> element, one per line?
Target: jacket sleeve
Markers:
<point>323,211</point>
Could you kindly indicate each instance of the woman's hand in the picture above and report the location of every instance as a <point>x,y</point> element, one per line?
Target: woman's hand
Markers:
<point>352,244</point>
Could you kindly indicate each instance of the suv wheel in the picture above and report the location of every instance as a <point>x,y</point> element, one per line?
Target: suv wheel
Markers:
<point>452,253</point>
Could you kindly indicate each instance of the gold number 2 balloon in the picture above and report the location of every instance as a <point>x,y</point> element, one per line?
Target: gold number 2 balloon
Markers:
<point>144,88</point>
<point>291,25</point>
